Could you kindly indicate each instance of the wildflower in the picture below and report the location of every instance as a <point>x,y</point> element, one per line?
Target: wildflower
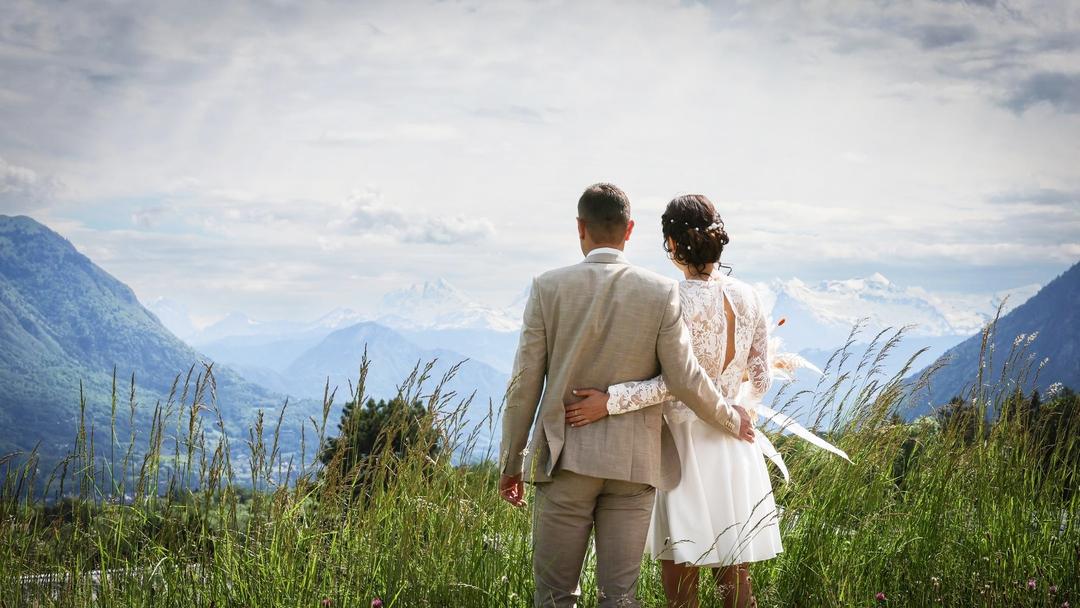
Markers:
<point>376,603</point>
<point>1054,389</point>
<point>936,581</point>
<point>326,602</point>
<point>1053,589</point>
<point>1031,584</point>
<point>880,596</point>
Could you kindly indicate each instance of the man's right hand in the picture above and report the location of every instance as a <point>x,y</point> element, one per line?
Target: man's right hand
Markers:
<point>746,426</point>
<point>512,489</point>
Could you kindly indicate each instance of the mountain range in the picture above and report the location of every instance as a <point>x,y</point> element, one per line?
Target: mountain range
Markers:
<point>433,316</point>
<point>65,325</point>
<point>1044,332</point>
<point>64,322</point>
<point>437,315</point>
<point>436,318</point>
<point>821,315</point>
<point>435,322</point>
<point>392,356</point>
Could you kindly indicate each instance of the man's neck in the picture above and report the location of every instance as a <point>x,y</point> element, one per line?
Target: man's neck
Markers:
<point>599,246</point>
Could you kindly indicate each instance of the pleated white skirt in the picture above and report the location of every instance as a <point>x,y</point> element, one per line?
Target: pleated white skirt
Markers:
<point>723,511</point>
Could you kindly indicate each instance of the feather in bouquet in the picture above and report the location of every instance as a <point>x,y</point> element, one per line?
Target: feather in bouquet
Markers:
<point>782,366</point>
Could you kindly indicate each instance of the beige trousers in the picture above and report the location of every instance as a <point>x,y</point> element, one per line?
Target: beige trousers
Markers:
<point>567,509</point>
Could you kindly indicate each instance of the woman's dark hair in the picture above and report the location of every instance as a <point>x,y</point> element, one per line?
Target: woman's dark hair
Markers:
<point>697,231</point>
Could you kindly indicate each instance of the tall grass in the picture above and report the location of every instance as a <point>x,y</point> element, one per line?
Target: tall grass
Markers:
<point>966,514</point>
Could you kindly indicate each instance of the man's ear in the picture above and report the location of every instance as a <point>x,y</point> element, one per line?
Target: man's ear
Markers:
<point>581,229</point>
<point>629,229</point>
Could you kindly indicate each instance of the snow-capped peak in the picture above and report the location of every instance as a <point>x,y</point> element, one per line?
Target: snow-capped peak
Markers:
<point>339,317</point>
<point>440,305</point>
<point>832,307</point>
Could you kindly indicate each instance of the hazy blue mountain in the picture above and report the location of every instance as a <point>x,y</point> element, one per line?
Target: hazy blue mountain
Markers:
<point>64,320</point>
<point>239,325</point>
<point>262,349</point>
<point>820,317</point>
<point>1050,325</point>
<point>392,356</point>
<point>275,352</point>
<point>298,363</point>
<point>272,352</point>
<point>496,348</point>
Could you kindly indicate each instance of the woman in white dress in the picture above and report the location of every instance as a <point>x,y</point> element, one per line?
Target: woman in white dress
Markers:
<point>722,515</point>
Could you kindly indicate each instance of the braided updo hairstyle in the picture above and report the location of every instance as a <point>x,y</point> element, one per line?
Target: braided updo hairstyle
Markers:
<point>697,231</point>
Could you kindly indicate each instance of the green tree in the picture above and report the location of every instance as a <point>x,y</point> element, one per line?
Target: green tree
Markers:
<point>960,419</point>
<point>380,430</point>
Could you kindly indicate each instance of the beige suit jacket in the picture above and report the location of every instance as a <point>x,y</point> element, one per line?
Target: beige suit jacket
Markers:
<point>591,325</point>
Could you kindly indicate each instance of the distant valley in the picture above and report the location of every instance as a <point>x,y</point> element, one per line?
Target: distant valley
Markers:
<point>64,322</point>
<point>436,320</point>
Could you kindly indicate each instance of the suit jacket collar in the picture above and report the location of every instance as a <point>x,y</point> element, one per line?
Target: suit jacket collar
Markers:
<point>606,255</point>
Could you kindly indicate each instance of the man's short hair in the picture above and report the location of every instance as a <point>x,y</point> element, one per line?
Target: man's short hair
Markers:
<point>605,210</point>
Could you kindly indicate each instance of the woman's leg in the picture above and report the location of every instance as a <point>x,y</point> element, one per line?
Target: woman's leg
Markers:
<point>733,583</point>
<point>680,584</point>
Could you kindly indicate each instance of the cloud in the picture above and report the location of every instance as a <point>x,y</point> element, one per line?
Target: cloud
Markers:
<point>935,36</point>
<point>1060,90</point>
<point>881,126</point>
<point>152,216</point>
<point>1039,196</point>
<point>22,189</point>
<point>367,214</point>
<point>516,113</point>
<point>398,134</point>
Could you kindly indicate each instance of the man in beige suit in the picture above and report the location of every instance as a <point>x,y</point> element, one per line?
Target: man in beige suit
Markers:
<point>594,324</point>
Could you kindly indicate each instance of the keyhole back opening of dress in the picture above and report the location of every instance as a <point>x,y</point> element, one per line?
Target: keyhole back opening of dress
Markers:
<point>729,329</point>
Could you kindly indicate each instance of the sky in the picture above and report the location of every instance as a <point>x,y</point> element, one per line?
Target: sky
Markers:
<point>286,158</point>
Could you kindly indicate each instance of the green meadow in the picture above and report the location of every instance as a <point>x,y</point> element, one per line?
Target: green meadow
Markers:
<point>974,506</point>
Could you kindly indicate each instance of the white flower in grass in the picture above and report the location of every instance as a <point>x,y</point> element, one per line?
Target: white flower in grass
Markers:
<point>1054,389</point>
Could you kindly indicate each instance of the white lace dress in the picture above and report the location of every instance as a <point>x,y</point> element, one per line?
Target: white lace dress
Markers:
<point>723,511</point>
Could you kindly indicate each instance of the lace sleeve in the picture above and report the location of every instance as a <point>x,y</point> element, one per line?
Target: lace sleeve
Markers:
<point>757,365</point>
<point>633,396</point>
